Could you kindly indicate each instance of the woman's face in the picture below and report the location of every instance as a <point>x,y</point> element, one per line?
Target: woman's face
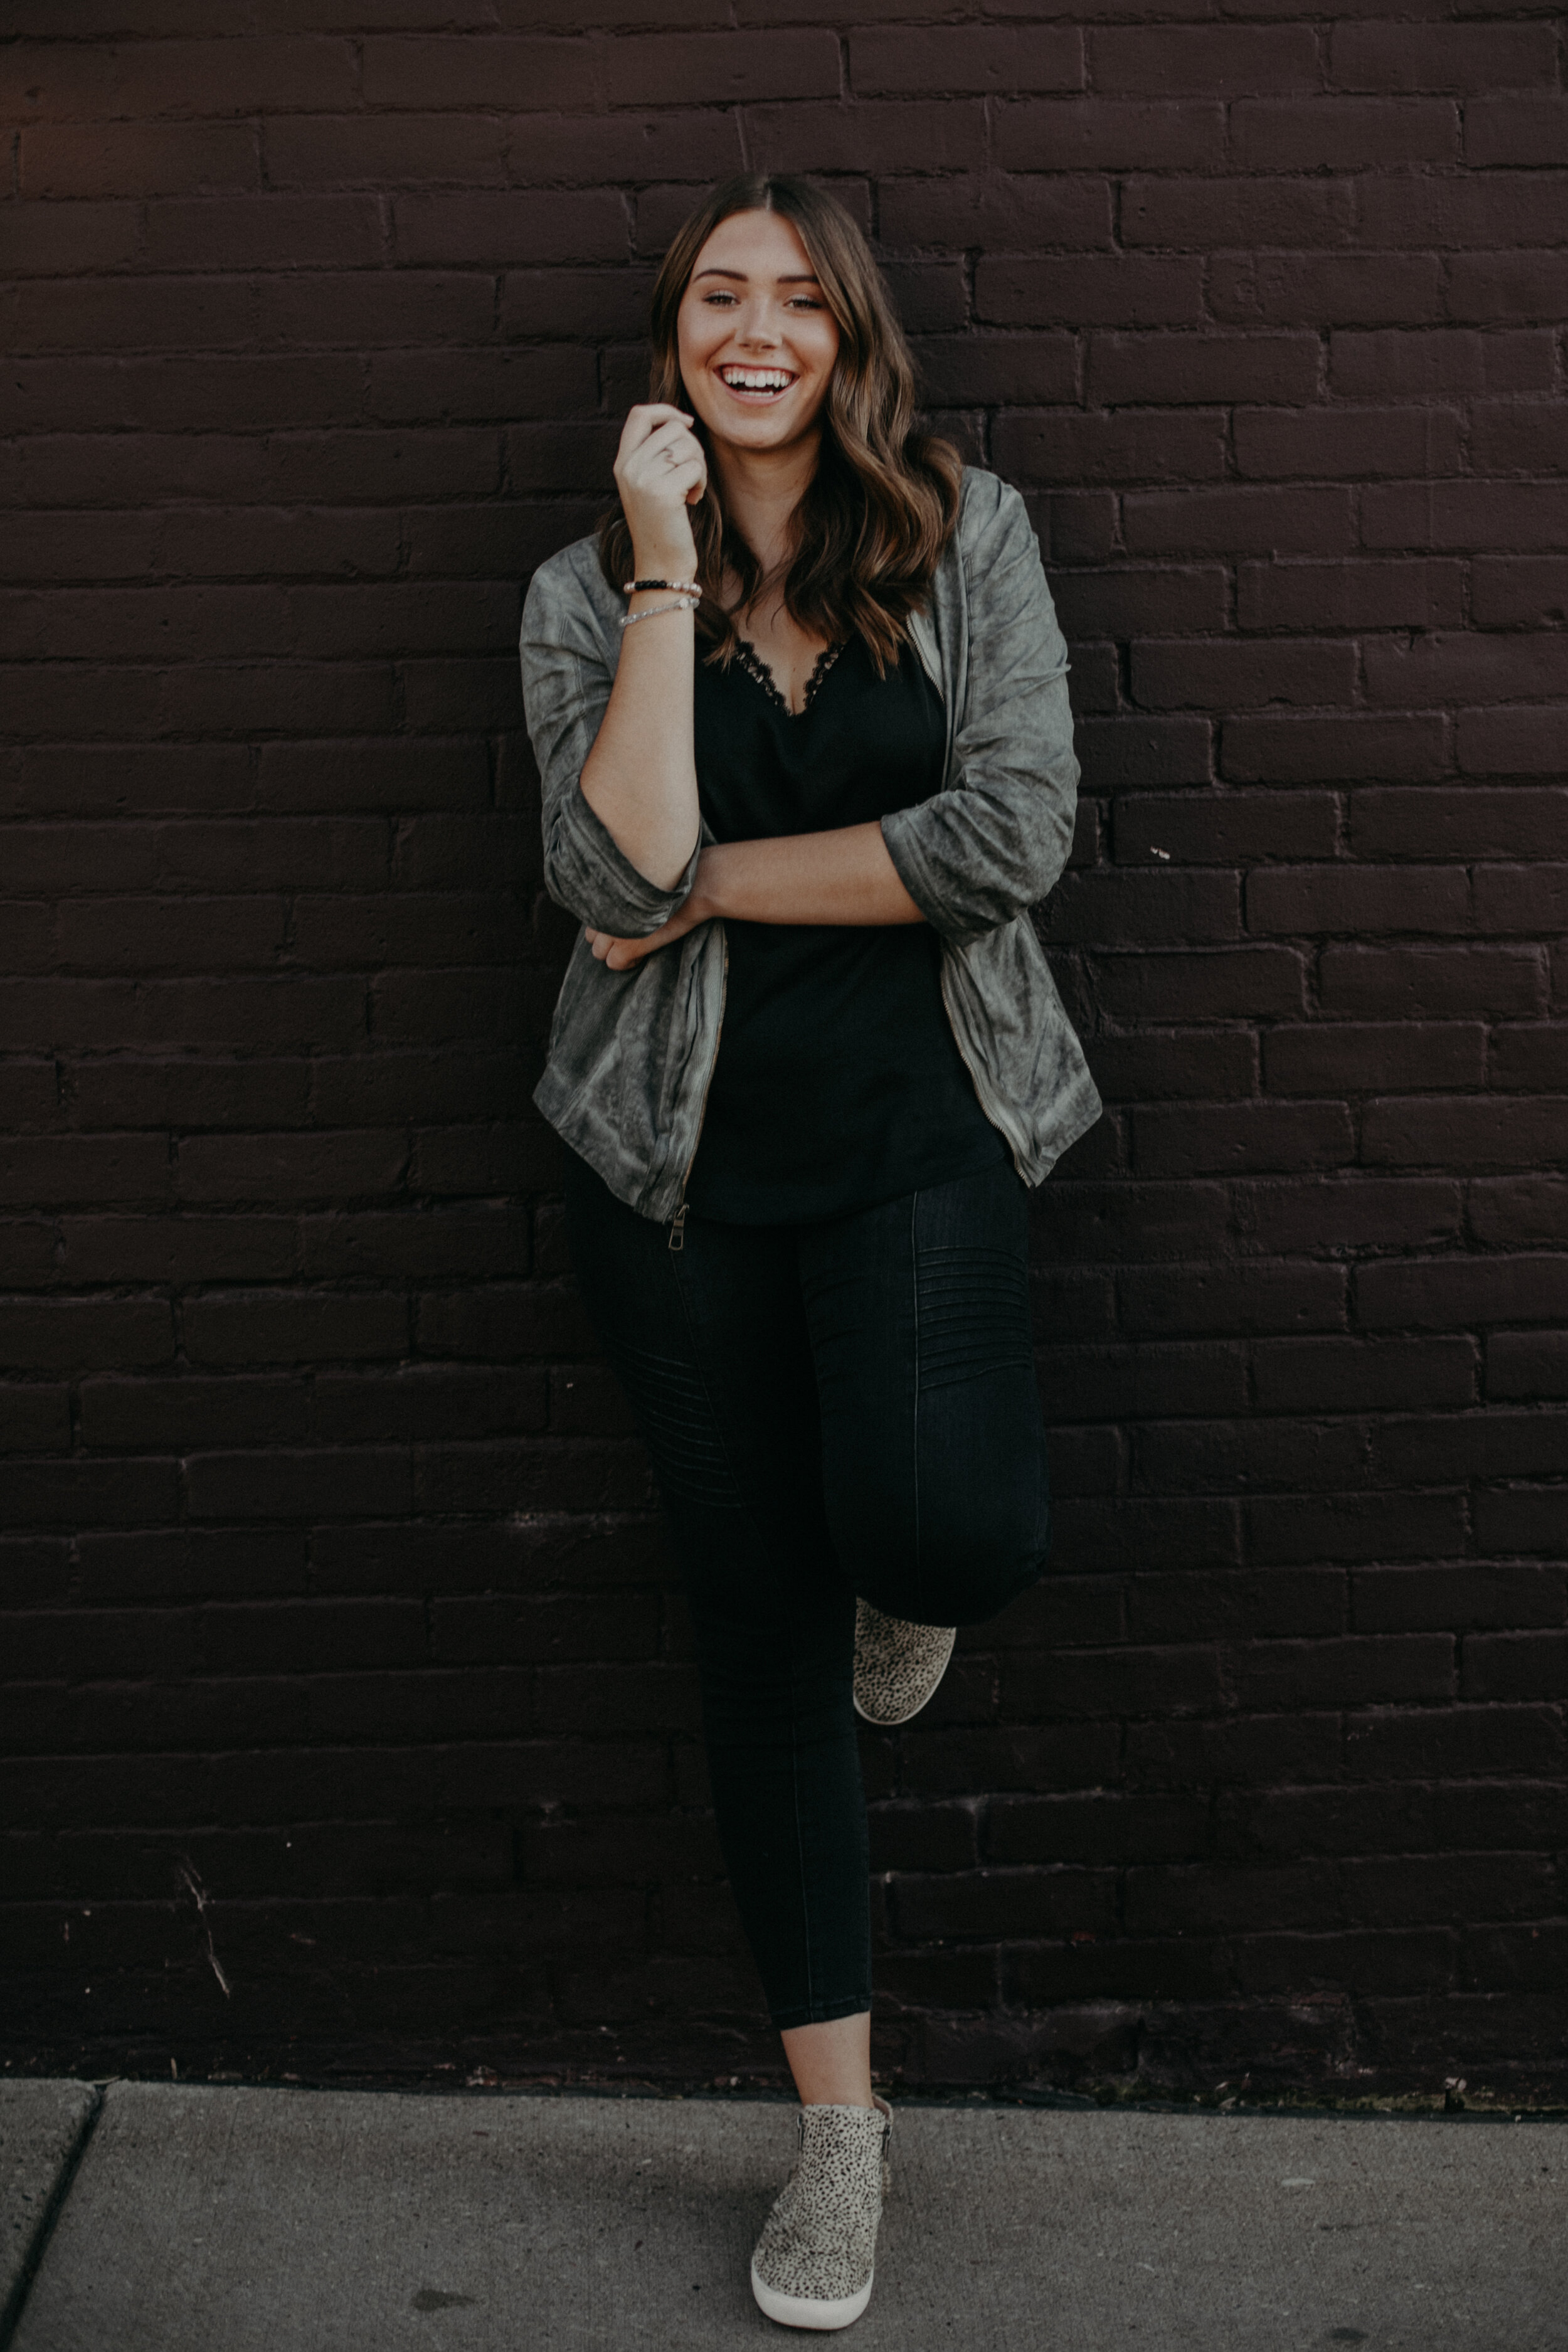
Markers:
<point>757,340</point>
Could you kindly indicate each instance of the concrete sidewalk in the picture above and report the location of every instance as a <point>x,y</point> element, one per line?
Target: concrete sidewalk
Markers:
<point>224,2220</point>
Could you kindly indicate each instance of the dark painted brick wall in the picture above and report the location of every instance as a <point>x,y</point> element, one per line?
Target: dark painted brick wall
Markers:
<point>333,1601</point>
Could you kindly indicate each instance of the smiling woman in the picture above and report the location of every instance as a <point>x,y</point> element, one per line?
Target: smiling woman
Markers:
<point>801,718</point>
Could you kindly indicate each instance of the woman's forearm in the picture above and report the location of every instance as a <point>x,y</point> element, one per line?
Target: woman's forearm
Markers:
<point>640,778</point>
<point>844,876</point>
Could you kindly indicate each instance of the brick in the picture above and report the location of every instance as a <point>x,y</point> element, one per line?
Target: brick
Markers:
<point>1521,1519</point>
<point>1437,1294</point>
<point>1469,668</point>
<point>1351,1375</point>
<point>1521,897</point>
<point>1171,1140</point>
<point>1424,1450</point>
<point>1483,58</point>
<point>532,225</point>
<point>1526,743</point>
<point>1113,907</point>
<point>137,158</point>
<point>1355,1528</point>
<point>1424,982</point>
<point>1014,214</point>
<point>1519,436</point>
<point>34,1419</point>
<point>1055,445</point>
<point>1144,750</point>
<point>1217,212</point>
<point>996,59</point>
<point>1089,289</point>
<point>57,241</point>
<point>1348,290</point>
<point>276,1327</point>
<point>1116,1220</point>
<point>331,1167</point>
<point>697,146</point>
<point>1526,821</point>
<point>1462,514</point>
<point>1464,1131</point>
<point>1179,673</point>
<point>1309,133</point>
<point>720,68</point>
<point>1238,522</point>
<point>1460,1597</point>
<point>381,151</point>
<point>63,1334</point>
<point>1394,365</point>
<point>1527,1059</point>
<point>1387,1057</point>
<point>875,135</point>
<point>958,369</point>
<point>346,1484</point>
<point>1354,595</point>
<point>1080,133</point>
<point>37,1171</point>
<point>1517,130</point>
<point>1176,367</point>
<point>1226,828</point>
<point>1361,1671</point>
<point>1346,443</point>
<point>178,1249</point>
<point>1339,748</point>
<point>1173,986</point>
<point>1343,898</point>
<point>258,232</point>
<point>1527,1364</point>
<point>1209,61</point>
<point>1239,1298</point>
<point>496,72</point>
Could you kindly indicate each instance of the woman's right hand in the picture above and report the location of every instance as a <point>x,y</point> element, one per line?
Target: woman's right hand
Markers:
<point>660,473</point>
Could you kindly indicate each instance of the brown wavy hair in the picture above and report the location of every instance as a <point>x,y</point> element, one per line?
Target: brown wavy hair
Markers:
<point>883,503</point>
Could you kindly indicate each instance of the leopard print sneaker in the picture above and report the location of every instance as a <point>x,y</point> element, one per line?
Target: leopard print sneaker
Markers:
<point>897,1665</point>
<point>816,2259</point>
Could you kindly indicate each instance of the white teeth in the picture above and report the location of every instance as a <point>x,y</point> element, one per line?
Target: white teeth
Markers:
<point>757,379</point>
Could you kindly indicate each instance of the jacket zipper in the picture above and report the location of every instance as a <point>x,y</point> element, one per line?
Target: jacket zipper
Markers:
<point>678,1222</point>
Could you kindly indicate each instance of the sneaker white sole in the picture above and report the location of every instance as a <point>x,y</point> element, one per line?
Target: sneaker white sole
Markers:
<point>808,2310</point>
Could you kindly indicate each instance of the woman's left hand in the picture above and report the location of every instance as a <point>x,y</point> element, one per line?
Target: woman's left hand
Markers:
<point>620,955</point>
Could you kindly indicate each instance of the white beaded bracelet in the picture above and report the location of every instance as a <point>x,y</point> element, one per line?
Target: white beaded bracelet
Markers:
<point>682,587</point>
<point>651,612</point>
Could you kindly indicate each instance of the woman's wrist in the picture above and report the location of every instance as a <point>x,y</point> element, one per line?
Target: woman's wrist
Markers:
<point>656,563</point>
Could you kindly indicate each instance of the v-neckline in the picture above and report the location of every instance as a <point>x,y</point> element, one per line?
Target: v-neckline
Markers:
<point>753,665</point>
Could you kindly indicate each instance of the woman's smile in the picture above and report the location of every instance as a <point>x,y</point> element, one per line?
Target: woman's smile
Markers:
<point>757,386</point>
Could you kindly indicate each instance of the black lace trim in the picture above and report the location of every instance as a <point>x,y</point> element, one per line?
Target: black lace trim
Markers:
<point>753,665</point>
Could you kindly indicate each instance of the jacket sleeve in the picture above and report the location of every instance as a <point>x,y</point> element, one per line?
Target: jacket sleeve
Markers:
<point>995,840</point>
<point>566,686</point>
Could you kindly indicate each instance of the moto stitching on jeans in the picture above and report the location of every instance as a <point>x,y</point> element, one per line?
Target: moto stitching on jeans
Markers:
<point>671,1400</point>
<point>976,1316</point>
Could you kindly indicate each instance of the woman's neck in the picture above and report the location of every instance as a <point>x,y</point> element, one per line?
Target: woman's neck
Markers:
<point>761,489</point>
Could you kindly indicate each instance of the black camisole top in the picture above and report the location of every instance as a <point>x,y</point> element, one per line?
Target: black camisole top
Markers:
<point>838,1083</point>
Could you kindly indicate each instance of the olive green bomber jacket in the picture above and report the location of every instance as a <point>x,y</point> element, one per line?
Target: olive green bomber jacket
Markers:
<point>631,1052</point>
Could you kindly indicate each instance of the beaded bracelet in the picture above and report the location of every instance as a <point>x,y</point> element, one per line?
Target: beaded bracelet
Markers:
<point>651,612</point>
<point>685,587</point>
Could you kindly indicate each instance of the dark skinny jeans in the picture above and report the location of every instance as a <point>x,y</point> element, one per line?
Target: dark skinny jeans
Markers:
<point>832,1409</point>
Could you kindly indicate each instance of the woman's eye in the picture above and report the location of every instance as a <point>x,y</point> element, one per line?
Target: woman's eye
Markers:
<point>718,300</point>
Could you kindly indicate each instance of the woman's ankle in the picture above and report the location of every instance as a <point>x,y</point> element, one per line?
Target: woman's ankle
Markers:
<point>831,2061</point>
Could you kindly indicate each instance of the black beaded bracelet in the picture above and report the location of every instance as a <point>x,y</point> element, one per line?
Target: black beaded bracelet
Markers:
<point>682,587</point>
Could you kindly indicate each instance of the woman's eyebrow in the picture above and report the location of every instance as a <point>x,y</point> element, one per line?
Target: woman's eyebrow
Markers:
<point>800,277</point>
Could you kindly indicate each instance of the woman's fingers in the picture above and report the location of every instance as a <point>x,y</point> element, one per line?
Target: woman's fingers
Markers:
<point>642,424</point>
